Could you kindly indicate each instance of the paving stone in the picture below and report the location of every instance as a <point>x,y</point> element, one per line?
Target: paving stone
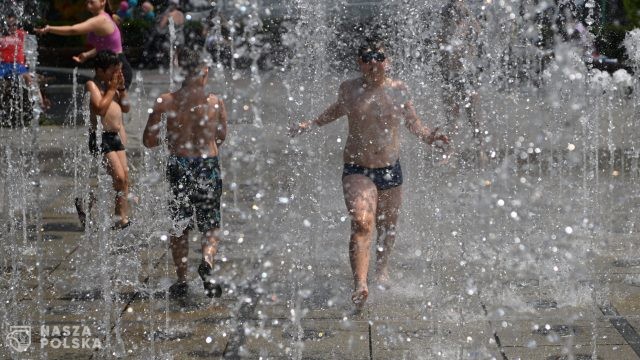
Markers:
<point>181,340</point>
<point>64,311</point>
<point>417,335</point>
<point>604,352</point>
<point>534,333</point>
<point>628,304</point>
<point>196,309</point>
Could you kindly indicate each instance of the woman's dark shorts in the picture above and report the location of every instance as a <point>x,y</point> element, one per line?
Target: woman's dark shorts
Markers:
<point>197,187</point>
<point>384,178</point>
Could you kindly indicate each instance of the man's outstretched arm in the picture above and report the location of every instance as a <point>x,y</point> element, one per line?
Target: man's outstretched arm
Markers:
<point>415,126</point>
<point>332,113</point>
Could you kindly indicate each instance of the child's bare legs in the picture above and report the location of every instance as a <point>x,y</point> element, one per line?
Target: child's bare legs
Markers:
<point>210,246</point>
<point>45,104</point>
<point>389,202</point>
<point>205,270</point>
<point>180,251</point>
<point>360,195</point>
<point>116,163</point>
<point>82,215</point>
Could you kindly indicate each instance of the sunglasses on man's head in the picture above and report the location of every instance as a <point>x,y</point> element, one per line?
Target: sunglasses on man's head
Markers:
<point>373,55</point>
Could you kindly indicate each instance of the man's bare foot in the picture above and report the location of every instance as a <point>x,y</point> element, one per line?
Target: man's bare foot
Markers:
<point>359,297</point>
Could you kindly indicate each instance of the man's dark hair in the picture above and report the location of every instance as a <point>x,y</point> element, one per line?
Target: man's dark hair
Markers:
<point>372,44</point>
<point>189,59</point>
<point>104,59</point>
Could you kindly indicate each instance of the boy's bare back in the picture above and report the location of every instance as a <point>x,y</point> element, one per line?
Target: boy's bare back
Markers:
<point>193,121</point>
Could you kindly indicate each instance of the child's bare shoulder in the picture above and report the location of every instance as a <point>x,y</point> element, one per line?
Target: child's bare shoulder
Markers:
<point>164,101</point>
<point>90,84</point>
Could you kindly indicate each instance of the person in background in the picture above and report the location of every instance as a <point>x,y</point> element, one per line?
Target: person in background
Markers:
<point>102,33</point>
<point>123,11</point>
<point>459,52</point>
<point>13,62</point>
<point>147,12</point>
<point>157,48</point>
<point>134,11</point>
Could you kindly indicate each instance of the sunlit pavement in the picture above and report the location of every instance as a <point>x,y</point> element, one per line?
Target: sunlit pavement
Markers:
<point>504,262</point>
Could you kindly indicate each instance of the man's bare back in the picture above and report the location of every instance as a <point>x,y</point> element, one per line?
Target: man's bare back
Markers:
<point>191,132</point>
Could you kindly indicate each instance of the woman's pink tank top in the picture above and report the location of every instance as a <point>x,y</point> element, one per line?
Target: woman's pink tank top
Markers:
<point>111,42</point>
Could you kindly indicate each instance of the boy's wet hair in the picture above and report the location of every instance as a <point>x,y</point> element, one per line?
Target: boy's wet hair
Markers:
<point>190,60</point>
<point>104,59</point>
<point>370,44</point>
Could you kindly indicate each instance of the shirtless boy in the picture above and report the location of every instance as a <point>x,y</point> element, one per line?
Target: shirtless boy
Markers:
<point>374,105</point>
<point>196,126</point>
<point>109,100</point>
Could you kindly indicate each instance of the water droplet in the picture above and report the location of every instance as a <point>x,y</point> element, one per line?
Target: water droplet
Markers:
<point>283,200</point>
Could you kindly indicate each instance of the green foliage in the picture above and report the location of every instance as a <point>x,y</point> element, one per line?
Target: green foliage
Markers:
<point>609,40</point>
<point>195,26</point>
<point>632,11</point>
<point>134,32</point>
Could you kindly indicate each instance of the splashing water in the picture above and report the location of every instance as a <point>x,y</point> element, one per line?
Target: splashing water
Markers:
<point>479,252</point>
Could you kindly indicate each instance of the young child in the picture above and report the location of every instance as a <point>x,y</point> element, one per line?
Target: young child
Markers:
<point>108,101</point>
<point>196,127</point>
<point>374,105</point>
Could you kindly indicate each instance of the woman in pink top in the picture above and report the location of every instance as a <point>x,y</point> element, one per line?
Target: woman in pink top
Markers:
<point>102,33</point>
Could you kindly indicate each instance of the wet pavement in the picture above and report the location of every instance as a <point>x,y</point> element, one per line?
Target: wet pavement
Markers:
<point>509,262</point>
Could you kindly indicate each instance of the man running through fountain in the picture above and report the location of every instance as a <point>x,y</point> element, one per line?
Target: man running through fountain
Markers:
<point>196,127</point>
<point>374,105</point>
<point>109,100</point>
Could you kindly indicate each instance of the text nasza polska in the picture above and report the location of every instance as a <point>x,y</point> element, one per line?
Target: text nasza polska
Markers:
<point>68,337</point>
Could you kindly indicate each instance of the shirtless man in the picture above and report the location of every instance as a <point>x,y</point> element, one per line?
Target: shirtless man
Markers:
<point>374,105</point>
<point>109,100</point>
<point>196,126</point>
